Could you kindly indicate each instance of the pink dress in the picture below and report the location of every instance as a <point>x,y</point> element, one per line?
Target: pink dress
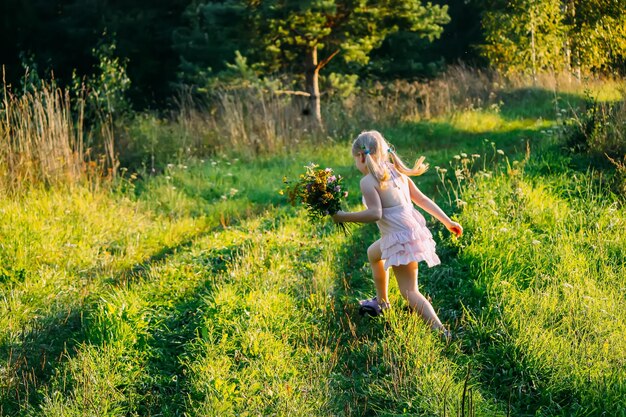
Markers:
<point>404,235</point>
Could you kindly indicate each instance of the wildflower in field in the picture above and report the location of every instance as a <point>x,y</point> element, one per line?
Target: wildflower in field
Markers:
<point>320,190</point>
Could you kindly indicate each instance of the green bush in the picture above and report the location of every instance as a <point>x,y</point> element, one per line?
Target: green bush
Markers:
<point>598,130</point>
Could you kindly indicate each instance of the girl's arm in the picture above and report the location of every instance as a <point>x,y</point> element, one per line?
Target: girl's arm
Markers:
<point>374,209</point>
<point>432,208</point>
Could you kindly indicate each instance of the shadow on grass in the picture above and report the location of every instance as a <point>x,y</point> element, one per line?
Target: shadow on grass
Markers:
<point>205,190</point>
<point>31,359</point>
<point>34,357</point>
<point>164,389</point>
<point>503,370</point>
<point>352,331</point>
<point>536,103</point>
<point>40,353</point>
<point>441,140</point>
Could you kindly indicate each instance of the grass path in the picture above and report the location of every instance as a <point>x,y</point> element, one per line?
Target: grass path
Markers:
<point>206,295</point>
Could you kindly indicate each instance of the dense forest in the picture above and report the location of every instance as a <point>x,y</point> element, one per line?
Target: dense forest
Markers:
<point>162,45</point>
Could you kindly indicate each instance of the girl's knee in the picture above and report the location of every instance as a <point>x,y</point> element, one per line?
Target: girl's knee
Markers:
<point>373,254</point>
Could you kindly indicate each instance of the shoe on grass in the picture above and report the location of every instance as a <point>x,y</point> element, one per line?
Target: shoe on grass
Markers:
<point>372,307</point>
<point>446,335</point>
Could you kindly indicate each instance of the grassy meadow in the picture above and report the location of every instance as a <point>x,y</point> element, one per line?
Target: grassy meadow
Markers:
<point>200,292</point>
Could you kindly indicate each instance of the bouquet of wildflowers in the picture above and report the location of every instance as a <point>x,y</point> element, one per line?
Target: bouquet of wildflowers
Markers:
<point>320,190</point>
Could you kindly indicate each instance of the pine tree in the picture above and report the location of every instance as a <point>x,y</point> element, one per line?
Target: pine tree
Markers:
<point>304,36</point>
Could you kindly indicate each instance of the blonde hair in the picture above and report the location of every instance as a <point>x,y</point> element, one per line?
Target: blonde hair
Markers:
<point>377,151</point>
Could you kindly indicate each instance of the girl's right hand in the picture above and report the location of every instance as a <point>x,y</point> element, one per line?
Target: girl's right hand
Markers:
<point>455,228</point>
<point>337,217</point>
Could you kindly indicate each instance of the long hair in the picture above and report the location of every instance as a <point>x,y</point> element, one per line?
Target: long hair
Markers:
<point>377,152</point>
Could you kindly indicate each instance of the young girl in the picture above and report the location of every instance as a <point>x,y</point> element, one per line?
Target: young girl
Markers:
<point>388,194</point>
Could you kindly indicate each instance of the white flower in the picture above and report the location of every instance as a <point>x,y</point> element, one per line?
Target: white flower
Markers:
<point>500,151</point>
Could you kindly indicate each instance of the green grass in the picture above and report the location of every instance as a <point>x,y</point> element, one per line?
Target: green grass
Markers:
<point>547,257</point>
<point>200,292</point>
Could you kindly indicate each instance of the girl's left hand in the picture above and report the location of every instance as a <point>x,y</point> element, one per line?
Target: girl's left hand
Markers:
<point>455,228</point>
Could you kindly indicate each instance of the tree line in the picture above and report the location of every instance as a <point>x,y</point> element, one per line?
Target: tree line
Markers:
<point>162,45</point>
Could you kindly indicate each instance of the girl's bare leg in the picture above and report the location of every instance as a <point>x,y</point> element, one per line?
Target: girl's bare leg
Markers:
<point>381,278</point>
<point>407,282</point>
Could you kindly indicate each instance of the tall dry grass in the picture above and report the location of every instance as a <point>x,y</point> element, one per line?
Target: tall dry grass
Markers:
<point>255,121</point>
<point>246,120</point>
<point>44,140</point>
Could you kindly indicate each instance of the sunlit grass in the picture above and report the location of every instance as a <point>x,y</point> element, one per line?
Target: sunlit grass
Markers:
<point>489,122</point>
<point>201,292</point>
<point>549,255</point>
